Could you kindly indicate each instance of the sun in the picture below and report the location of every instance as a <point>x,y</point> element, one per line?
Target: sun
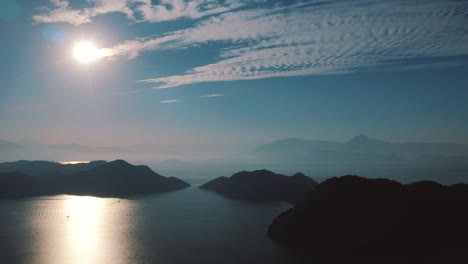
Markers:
<point>85,52</point>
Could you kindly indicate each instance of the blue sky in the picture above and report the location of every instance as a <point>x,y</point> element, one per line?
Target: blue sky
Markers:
<point>234,72</point>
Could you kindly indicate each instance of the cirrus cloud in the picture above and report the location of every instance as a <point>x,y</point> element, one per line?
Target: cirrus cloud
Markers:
<point>297,39</point>
<point>165,10</point>
<point>337,37</point>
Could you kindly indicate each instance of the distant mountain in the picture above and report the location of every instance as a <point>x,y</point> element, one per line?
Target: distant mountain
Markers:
<point>351,158</point>
<point>116,178</point>
<point>5,144</point>
<point>292,148</point>
<point>367,144</point>
<point>8,148</point>
<point>28,149</point>
<point>39,168</point>
<point>299,148</point>
<point>407,162</point>
<point>262,185</point>
<point>355,215</point>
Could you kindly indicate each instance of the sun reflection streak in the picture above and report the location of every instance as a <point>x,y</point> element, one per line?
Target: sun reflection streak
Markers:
<point>83,218</point>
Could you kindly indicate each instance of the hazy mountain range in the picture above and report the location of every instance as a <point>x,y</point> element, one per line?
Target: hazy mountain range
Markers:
<point>293,148</point>
<point>33,150</point>
<point>362,155</point>
<point>406,162</point>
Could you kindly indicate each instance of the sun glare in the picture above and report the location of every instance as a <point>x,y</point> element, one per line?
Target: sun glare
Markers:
<point>85,52</point>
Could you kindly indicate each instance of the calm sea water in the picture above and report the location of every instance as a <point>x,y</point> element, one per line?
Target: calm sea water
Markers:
<point>187,226</point>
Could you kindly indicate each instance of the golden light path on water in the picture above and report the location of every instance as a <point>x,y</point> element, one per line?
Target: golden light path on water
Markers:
<point>83,215</point>
<point>83,230</point>
<point>188,226</point>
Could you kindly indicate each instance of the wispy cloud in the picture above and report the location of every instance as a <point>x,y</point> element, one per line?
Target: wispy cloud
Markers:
<point>303,38</point>
<point>170,101</point>
<point>174,9</point>
<point>212,95</point>
<point>135,10</point>
<point>61,12</point>
<point>334,37</point>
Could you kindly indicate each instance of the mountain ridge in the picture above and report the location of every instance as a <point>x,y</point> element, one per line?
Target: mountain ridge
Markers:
<point>116,178</point>
<point>356,215</point>
<point>41,167</point>
<point>262,185</point>
<point>298,147</point>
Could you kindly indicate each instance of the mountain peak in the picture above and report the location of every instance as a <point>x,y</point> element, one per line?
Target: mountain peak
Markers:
<point>260,172</point>
<point>364,139</point>
<point>361,137</point>
<point>292,139</point>
<point>119,162</point>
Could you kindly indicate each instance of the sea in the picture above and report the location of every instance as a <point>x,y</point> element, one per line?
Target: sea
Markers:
<point>186,226</point>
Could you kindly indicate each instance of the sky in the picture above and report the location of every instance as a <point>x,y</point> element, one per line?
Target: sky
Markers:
<point>233,72</point>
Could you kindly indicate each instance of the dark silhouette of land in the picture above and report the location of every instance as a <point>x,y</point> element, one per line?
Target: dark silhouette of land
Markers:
<point>100,178</point>
<point>262,185</point>
<point>355,215</point>
<point>40,168</point>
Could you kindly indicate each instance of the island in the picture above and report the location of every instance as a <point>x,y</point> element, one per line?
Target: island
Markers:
<point>262,186</point>
<point>355,215</point>
<point>106,179</point>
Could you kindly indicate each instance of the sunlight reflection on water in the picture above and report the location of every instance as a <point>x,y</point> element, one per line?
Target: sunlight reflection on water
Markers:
<point>82,229</point>
<point>83,215</point>
<point>187,226</point>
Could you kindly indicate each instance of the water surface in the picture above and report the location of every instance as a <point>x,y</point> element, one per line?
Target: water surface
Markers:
<point>187,226</point>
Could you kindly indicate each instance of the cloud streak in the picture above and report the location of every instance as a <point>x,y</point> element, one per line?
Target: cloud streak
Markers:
<point>212,95</point>
<point>170,101</point>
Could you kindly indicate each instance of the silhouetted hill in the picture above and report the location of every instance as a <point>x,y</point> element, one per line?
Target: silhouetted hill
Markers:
<point>215,184</point>
<point>121,178</point>
<point>116,178</point>
<point>355,215</point>
<point>39,168</point>
<point>262,185</point>
<point>17,184</point>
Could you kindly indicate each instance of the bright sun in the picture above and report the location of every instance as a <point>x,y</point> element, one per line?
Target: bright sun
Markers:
<point>85,52</point>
